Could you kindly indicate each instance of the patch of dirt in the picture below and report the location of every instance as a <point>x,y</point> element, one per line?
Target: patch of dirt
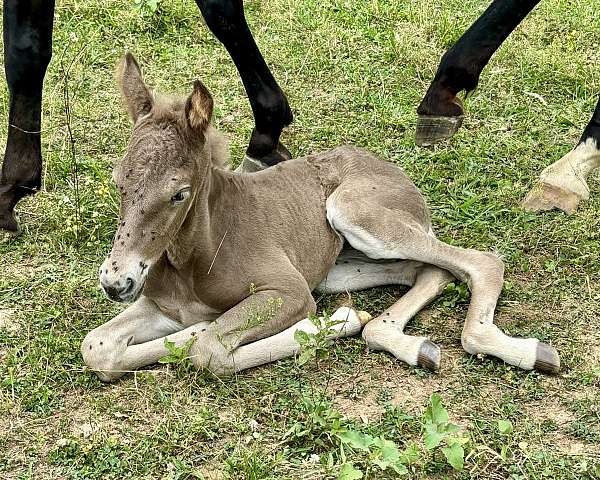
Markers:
<point>8,320</point>
<point>211,474</point>
<point>365,409</point>
<point>543,411</point>
<point>562,417</point>
<point>570,446</point>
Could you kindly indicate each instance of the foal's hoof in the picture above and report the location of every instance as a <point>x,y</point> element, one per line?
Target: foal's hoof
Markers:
<point>544,197</point>
<point>429,356</point>
<point>432,129</point>
<point>547,360</point>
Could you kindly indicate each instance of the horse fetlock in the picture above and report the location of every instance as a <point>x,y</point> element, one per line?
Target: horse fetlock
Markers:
<point>381,334</point>
<point>479,337</point>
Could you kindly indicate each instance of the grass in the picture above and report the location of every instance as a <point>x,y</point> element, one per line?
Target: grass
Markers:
<point>354,72</point>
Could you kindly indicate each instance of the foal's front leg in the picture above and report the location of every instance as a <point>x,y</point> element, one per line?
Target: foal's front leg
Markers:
<point>262,328</point>
<point>266,312</point>
<point>133,339</point>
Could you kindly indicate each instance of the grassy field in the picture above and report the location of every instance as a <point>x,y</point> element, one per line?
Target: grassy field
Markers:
<point>354,73</point>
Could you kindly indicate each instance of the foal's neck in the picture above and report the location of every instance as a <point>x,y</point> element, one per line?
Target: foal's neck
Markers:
<point>208,219</point>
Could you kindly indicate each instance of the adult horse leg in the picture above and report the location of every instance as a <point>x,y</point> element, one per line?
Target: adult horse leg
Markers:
<point>563,184</point>
<point>27,52</point>
<point>440,113</point>
<point>271,110</point>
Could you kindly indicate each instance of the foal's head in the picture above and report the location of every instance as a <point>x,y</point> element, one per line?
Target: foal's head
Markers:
<point>164,167</point>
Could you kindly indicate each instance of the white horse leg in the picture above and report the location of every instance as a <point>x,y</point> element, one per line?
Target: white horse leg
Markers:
<point>563,184</point>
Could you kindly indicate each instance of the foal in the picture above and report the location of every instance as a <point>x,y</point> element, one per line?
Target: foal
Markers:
<point>230,259</point>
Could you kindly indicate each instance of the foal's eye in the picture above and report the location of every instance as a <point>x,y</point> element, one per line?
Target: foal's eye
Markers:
<point>180,196</point>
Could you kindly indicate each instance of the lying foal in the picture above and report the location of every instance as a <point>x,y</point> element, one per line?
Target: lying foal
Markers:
<point>231,258</point>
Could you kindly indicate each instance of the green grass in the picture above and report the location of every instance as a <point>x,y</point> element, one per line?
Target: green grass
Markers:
<point>354,73</point>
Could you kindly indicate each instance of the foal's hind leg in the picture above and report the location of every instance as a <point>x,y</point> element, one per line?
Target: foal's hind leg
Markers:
<point>386,331</point>
<point>393,234</point>
<point>354,271</point>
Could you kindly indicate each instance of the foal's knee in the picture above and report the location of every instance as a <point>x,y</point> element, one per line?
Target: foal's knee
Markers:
<point>486,269</point>
<point>103,355</point>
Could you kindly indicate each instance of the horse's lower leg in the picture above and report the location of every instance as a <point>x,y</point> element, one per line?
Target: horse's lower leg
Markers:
<point>27,52</point>
<point>440,112</point>
<point>563,184</point>
<point>272,113</point>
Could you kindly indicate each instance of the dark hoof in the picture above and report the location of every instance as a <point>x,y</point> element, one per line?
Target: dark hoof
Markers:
<point>544,197</point>
<point>280,154</point>
<point>250,165</point>
<point>433,129</point>
<point>547,360</point>
<point>429,356</point>
<point>9,225</point>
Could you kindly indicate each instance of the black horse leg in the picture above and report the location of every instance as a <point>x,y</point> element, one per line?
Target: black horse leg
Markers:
<point>563,184</point>
<point>592,131</point>
<point>272,113</point>
<point>440,112</point>
<point>27,52</point>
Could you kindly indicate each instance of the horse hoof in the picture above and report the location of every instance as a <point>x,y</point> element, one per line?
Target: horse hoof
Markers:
<point>544,197</point>
<point>547,360</point>
<point>283,152</point>
<point>9,227</point>
<point>429,356</point>
<point>433,129</point>
<point>250,165</point>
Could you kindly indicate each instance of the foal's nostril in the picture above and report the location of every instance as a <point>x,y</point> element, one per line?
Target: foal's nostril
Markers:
<point>117,293</point>
<point>129,284</point>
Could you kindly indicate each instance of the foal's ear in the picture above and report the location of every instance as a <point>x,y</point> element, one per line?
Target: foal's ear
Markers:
<point>138,98</point>
<point>199,108</point>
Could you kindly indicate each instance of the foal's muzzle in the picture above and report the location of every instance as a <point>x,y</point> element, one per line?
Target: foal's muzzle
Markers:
<point>120,291</point>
